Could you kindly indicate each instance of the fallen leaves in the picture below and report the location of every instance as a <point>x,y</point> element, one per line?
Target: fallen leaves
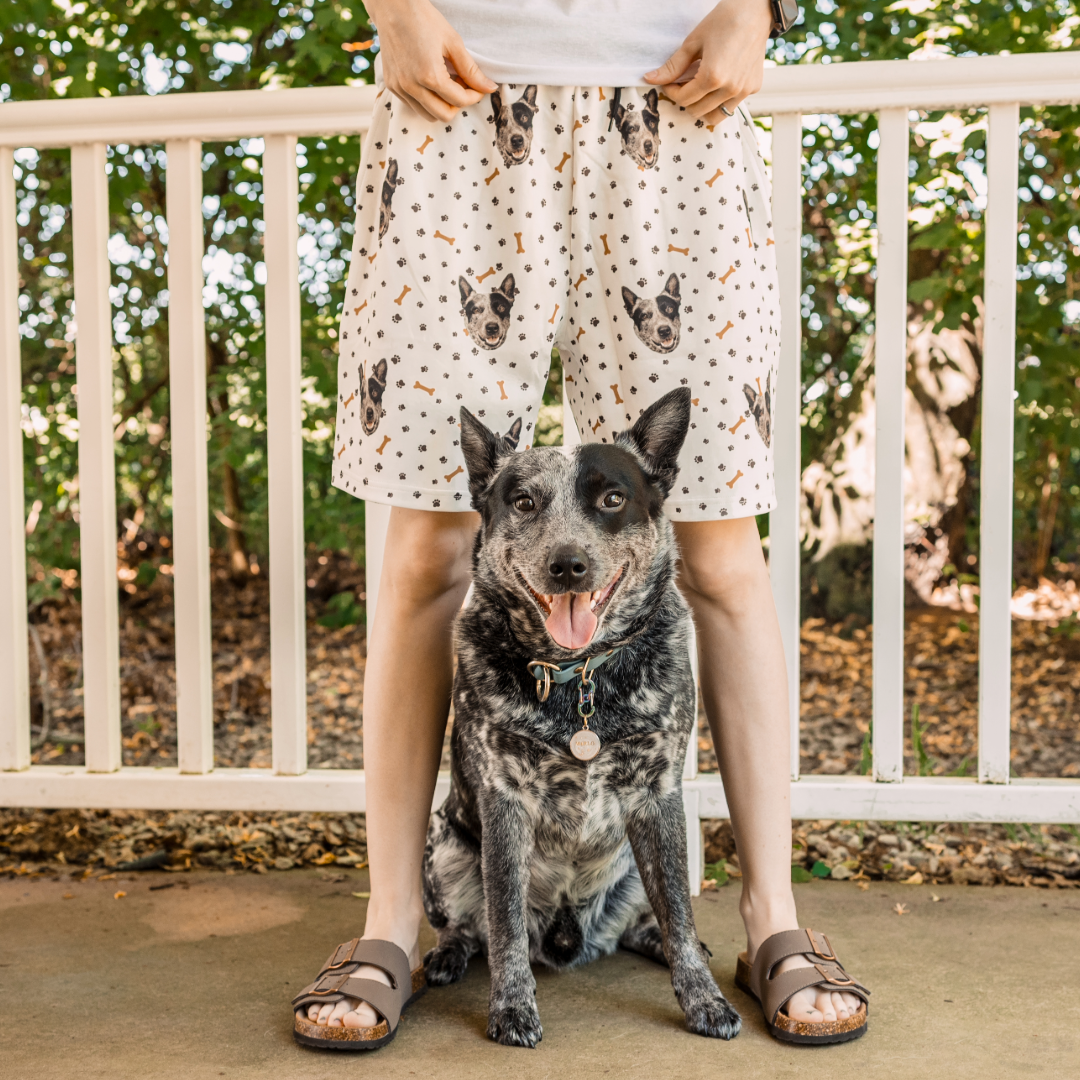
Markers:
<point>901,909</point>
<point>119,894</point>
<point>362,895</point>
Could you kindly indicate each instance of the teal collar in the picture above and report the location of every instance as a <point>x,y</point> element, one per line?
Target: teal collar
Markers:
<point>545,674</point>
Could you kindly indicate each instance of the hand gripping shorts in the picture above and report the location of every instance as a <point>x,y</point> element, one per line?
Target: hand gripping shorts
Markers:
<point>605,222</point>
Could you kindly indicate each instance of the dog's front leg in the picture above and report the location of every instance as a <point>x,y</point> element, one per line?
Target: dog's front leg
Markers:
<point>658,837</point>
<point>513,1018</point>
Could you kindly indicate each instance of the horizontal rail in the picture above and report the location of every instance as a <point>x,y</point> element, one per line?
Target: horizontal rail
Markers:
<point>343,790</point>
<point>854,87</point>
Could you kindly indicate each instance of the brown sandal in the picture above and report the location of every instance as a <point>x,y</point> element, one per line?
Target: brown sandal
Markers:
<point>335,982</point>
<point>774,993</point>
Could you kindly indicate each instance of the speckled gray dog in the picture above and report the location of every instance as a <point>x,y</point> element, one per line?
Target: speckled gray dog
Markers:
<point>535,855</point>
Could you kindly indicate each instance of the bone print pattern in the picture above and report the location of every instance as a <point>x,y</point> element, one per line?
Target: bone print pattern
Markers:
<point>635,240</point>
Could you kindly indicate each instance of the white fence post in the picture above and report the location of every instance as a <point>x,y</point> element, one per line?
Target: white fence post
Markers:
<point>97,463</point>
<point>996,472</point>
<point>890,383</point>
<point>188,431</point>
<point>784,553</point>
<point>14,665</point>
<point>288,647</point>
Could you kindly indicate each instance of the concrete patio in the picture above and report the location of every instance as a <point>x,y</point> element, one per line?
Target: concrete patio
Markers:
<point>193,981</point>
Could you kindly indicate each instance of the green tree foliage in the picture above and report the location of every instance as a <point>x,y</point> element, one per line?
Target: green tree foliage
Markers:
<point>58,48</point>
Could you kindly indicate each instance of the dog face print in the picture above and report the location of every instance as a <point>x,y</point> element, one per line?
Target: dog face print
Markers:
<point>761,407</point>
<point>371,395</point>
<point>514,125</point>
<point>640,131</point>
<point>488,314</point>
<point>656,319</point>
<point>388,189</point>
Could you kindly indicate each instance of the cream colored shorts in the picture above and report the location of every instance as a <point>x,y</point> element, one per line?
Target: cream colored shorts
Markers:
<point>605,222</point>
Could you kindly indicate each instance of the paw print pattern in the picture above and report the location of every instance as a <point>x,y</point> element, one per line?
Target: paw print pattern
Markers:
<point>605,222</point>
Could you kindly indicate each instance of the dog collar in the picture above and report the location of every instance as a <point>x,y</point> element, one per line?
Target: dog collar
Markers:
<point>584,744</point>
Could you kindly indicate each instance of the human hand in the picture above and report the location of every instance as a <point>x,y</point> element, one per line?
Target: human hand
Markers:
<point>417,44</point>
<point>725,54</point>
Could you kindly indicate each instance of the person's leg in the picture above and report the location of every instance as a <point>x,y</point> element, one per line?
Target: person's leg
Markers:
<point>723,576</point>
<point>407,686</point>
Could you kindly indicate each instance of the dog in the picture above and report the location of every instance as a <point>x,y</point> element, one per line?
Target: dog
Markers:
<point>656,319</point>
<point>761,408</point>
<point>488,314</point>
<point>388,188</point>
<point>371,395</point>
<point>639,131</point>
<point>514,125</point>
<point>537,856</point>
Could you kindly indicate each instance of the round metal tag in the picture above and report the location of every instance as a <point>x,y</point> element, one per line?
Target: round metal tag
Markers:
<point>585,745</point>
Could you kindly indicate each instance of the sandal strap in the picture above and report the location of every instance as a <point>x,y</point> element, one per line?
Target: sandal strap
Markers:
<point>775,992</point>
<point>381,954</point>
<point>387,1001</point>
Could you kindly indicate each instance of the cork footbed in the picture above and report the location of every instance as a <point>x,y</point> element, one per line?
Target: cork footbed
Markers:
<point>804,1031</point>
<point>343,1038</point>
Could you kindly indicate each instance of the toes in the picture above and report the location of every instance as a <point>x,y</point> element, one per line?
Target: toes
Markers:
<point>313,1012</point>
<point>801,1006</point>
<point>825,1006</point>
<point>324,1014</point>
<point>363,1016</point>
<point>340,1011</point>
<point>840,1006</point>
<point>852,1002</point>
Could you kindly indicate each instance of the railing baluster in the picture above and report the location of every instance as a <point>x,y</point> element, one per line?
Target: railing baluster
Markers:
<point>288,659</point>
<point>97,466</point>
<point>996,470</point>
<point>187,392</point>
<point>787,397</point>
<point>890,366</point>
<point>14,667</point>
<point>97,463</point>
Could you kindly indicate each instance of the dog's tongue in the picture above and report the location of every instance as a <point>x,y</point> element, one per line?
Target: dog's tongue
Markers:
<point>572,622</point>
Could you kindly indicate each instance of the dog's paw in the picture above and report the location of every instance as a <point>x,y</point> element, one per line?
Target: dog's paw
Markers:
<point>714,1016</point>
<point>515,1025</point>
<point>445,964</point>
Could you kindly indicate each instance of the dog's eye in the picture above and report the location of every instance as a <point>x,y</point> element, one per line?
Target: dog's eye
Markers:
<point>614,499</point>
<point>524,504</point>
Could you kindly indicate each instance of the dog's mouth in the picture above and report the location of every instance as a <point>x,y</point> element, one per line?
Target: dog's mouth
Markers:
<point>572,618</point>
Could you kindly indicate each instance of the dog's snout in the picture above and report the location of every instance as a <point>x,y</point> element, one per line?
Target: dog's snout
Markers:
<point>663,332</point>
<point>648,146</point>
<point>491,329</point>
<point>517,141</point>
<point>568,564</point>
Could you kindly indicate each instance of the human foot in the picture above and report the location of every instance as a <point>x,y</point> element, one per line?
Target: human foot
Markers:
<point>352,1013</point>
<point>815,1004</point>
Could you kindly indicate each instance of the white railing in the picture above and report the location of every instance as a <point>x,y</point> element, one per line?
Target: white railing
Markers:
<point>183,122</point>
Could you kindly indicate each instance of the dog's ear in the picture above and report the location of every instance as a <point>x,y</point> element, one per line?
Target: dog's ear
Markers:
<point>620,115</point>
<point>378,372</point>
<point>496,104</point>
<point>751,394</point>
<point>513,435</point>
<point>480,445</point>
<point>768,390</point>
<point>671,286</point>
<point>391,171</point>
<point>529,97</point>
<point>651,113</point>
<point>659,434</point>
<point>629,299</point>
<point>508,287</point>
<point>466,290</point>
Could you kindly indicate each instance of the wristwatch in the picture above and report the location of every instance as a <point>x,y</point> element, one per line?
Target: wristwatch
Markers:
<point>785,13</point>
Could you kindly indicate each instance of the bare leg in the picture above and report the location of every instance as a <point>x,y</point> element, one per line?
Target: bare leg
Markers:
<point>406,701</point>
<point>723,576</point>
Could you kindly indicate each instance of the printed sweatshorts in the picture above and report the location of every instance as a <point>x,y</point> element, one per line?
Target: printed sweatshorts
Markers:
<point>605,222</point>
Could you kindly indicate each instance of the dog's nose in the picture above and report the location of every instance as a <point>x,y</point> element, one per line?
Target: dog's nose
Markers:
<point>664,332</point>
<point>517,141</point>
<point>492,329</point>
<point>568,564</point>
<point>648,146</point>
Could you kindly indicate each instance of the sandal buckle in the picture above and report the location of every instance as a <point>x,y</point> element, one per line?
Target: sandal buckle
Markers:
<point>834,975</point>
<point>830,955</point>
<point>348,948</point>
<point>330,984</point>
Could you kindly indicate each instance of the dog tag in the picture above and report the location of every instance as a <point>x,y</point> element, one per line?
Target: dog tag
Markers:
<point>585,745</point>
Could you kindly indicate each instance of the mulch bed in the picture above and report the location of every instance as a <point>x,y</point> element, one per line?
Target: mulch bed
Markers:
<point>941,667</point>
<point>98,843</point>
